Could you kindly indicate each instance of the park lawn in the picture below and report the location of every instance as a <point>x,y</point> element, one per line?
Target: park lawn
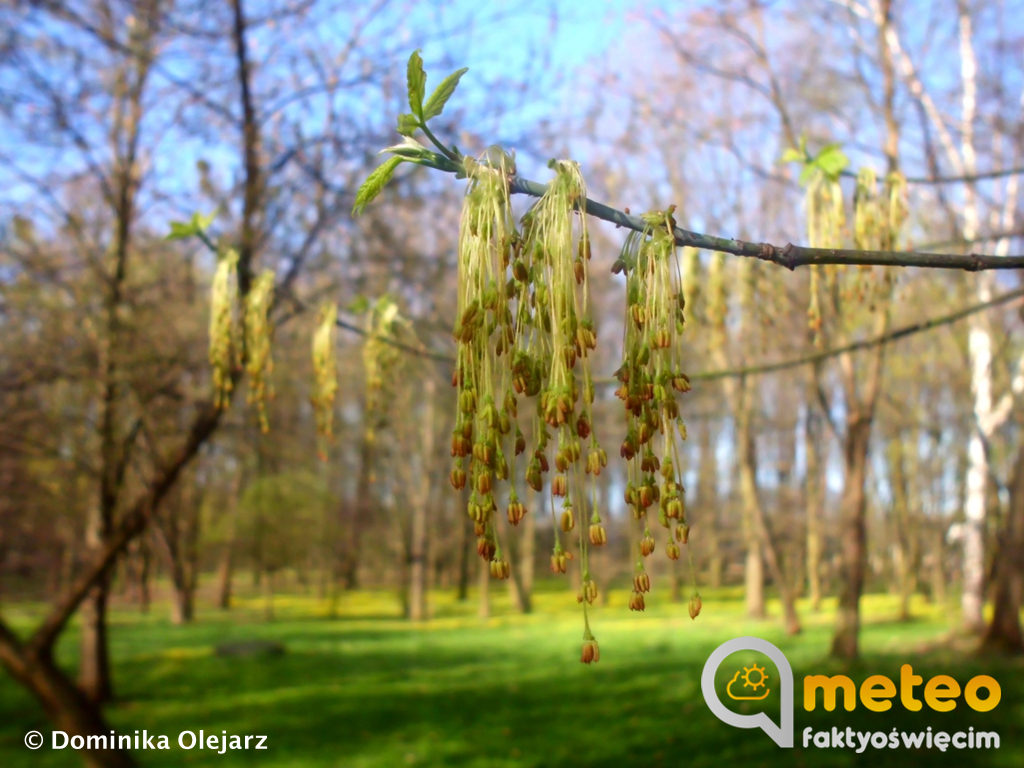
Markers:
<point>368,690</point>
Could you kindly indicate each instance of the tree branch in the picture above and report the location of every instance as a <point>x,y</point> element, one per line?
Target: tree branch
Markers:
<point>794,362</point>
<point>127,528</point>
<point>789,256</point>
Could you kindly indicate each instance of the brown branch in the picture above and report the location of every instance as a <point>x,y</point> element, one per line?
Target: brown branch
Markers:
<point>964,179</point>
<point>251,145</point>
<point>128,527</point>
<point>812,358</point>
<point>885,338</point>
<point>789,256</point>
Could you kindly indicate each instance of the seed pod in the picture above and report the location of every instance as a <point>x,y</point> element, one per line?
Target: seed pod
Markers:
<point>500,569</point>
<point>646,544</point>
<point>516,512</point>
<point>559,485</point>
<point>485,547</point>
<point>695,606</point>
<point>561,461</point>
<point>645,495</point>
<point>559,562</point>
<point>533,476</point>
<point>568,520</point>
<point>681,382</point>
<point>520,445</point>
<point>542,460</point>
<point>649,462</point>
<point>683,532</point>
<point>589,591</point>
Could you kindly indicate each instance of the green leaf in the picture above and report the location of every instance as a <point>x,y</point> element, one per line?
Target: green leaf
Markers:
<point>416,80</point>
<point>793,155</point>
<point>202,223</point>
<point>407,124</point>
<point>435,104</point>
<point>831,160</point>
<point>358,305</point>
<point>374,183</point>
<point>180,230</point>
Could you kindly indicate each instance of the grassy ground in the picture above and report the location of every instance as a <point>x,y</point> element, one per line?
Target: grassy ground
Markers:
<point>367,690</point>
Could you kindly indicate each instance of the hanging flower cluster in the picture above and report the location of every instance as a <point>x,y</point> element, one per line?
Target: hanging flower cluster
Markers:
<point>649,378</point>
<point>241,334</point>
<point>225,353</point>
<point>525,335</point>
<point>381,358</point>
<point>878,217</point>
<point>325,376</point>
<point>259,363</point>
<point>524,331</point>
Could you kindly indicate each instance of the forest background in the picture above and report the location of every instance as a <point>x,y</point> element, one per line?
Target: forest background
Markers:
<point>142,528</point>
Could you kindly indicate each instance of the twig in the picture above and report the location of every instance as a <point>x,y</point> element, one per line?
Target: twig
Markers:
<point>789,256</point>
<point>814,357</point>
<point>886,338</point>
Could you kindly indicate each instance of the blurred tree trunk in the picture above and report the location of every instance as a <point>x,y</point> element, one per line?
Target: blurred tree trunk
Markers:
<point>522,541</point>
<point>1004,630</point>
<point>484,580</point>
<point>754,568</point>
<point>67,705</point>
<point>707,499</point>
<point>904,554</point>
<point>178,531</point>
<point>754,512</point>
<point>740,405</point>
<point>418,536</point>
<point>937,572</point>
<point>521,582</point>
<point>141,566</point>
<point>226,569</point>
<point>852,535</point>
<point>813,493</point>
<point>359,510</point>
<point>466,552</point>
<point>94,665</point>
<point>527,558</point>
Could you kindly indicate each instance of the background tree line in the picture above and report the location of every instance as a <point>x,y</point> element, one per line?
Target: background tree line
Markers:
<point>898,468</point>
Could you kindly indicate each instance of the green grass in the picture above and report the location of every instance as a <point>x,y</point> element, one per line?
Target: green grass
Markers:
<point>369,690</point>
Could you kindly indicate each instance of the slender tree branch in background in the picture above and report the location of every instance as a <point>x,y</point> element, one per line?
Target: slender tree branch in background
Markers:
<point>815,357</point>
<point>790,256</point>
<point>962,179</point>
<point>886,338</point>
